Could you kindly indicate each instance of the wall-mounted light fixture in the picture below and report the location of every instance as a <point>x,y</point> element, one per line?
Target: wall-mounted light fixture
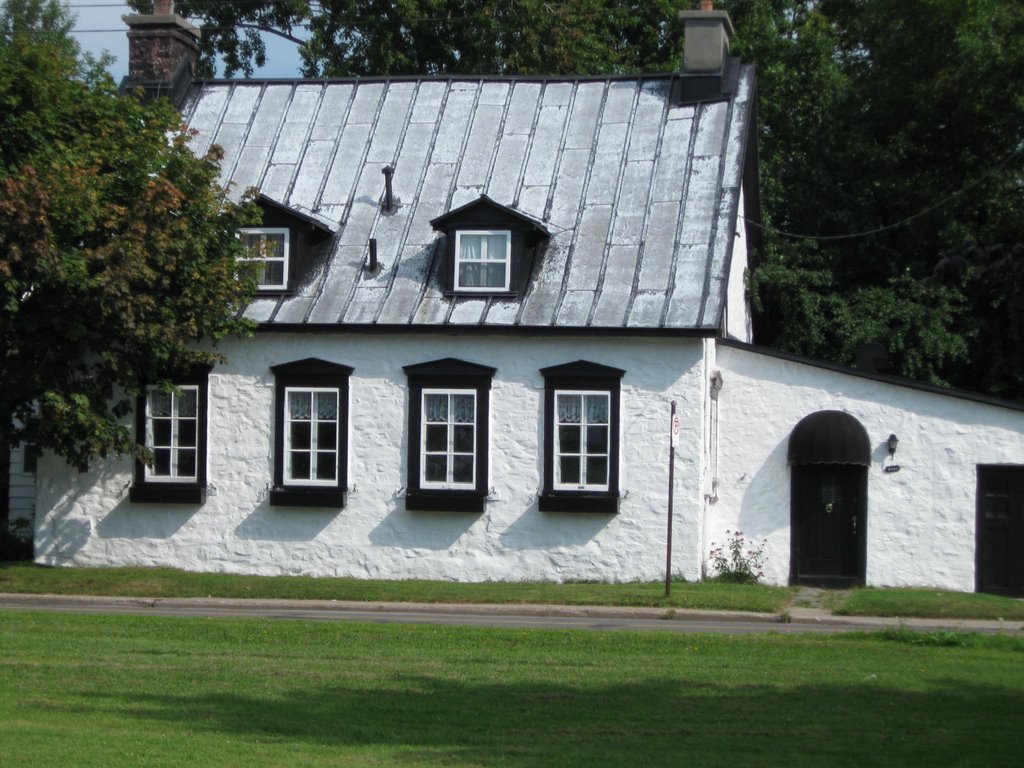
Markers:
<point>892,442</point>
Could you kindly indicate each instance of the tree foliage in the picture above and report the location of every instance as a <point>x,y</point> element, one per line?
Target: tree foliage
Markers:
<point>411,37</point>
<point>117,248</point>
<point>891,136</point>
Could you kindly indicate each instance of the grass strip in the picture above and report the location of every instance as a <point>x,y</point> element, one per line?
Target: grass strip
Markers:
<point>124,691</point>
<point>26,578</point>
<point>930,603</point>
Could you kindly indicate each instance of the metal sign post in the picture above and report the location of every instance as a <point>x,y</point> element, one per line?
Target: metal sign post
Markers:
<point>671,484</point>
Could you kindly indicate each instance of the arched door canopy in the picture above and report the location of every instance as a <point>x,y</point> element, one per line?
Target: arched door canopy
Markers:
<point>829,437</point>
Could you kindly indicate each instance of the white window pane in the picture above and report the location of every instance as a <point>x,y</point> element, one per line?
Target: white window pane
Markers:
<point>497,246</point>
<point>493,276</point>
<point>464,407</point>
<point>159,403</point>
<point>597,409</point>
<point>327,406</point>
<point>471,247</point>
<point>569,409</point>
<point>185,403</point>
<point>436,408</point>
<point>300,405</point>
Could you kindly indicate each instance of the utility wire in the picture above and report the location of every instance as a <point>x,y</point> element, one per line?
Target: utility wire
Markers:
<point>885,228</point>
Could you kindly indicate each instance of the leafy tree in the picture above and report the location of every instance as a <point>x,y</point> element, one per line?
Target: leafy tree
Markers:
<point>891,134</point>
<point>117,246</point>
<point>393,37</point>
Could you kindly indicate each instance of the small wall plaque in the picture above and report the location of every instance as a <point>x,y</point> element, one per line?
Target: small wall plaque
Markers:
<point>892,468</point>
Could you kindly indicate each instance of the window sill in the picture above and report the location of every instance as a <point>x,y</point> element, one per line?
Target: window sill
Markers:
<point>480,294</point>
<point>603,503</point>
<point>445,501</point>
<point>307,497</point>
<point>167,493</point>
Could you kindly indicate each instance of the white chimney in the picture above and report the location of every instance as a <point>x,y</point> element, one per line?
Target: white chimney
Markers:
<point>706,60</point>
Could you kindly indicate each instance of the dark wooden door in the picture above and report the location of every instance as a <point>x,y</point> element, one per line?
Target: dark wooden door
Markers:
<point>828,523</point>
<point>1000,531</point>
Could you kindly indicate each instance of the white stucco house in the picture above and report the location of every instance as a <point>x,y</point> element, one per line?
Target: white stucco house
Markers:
<point>481,298</point>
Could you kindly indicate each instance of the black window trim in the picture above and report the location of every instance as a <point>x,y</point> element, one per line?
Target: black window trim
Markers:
<point>448,374</point>
<point>581,375</point>
<point>310,372</point>
<point>169,491</point>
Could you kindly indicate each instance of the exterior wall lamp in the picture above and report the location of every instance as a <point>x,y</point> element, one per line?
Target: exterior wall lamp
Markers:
<point>892,442</point>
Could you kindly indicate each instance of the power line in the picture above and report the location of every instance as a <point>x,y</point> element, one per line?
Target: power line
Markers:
<point>885,228</point>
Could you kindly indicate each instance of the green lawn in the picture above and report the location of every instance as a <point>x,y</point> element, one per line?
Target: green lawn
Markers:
<point>930,603</point>
<point>127,691</point>
<point>165,582</point>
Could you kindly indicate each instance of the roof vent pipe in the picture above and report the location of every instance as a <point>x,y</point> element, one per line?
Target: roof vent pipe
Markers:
<point>389,198</point>
<point>371,265</point>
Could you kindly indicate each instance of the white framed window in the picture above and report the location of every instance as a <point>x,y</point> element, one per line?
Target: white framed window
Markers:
<point>448,434</point>
<point>269,245</point>
<point>172,435</point>
<point>582,440</point>
<point>312,428</point>
<point>483,260</point>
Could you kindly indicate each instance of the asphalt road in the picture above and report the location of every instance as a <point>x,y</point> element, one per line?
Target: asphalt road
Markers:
<point>504,616</point>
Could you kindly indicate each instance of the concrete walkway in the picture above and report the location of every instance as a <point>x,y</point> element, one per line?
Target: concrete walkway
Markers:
<point>796,620</point>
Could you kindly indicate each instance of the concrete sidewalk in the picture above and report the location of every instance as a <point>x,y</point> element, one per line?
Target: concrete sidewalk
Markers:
<point>554,616</point>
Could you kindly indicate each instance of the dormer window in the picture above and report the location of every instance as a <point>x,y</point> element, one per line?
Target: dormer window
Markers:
<point>483,260</point>
<point>270,246</point>
<point>289,244</point>
<point>489,248</point>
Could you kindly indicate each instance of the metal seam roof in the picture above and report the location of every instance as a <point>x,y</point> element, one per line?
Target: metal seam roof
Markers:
<point>640,195</point>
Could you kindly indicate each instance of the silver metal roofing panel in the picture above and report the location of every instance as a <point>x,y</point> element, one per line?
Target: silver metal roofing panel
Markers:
<point>502,313</point>
<point>684,304</point>
<point>394,116</point>
<point>639,196</point>
<point>586,109</point>
<point>673,160</point>
<point>701,198</point>
<point>588,253</point>
<point>348,158</point>
<point>648,121</point>
<point>505,178</point>
<point>646,310</point>
<point>545,145</point>
<point>315,163</point>
<point>661,233</point>
<point>293,310</point>
<point>249,169</point>
<point>522,107</point>
<point>711,129</point>
<point>633,203</point>
<point>476,162</point>
<point>242,103</point>
<point>266,124</point>
<point>467,311</point>
<point>333,111</point>
<point>618,107</point>
<point>260,310</point>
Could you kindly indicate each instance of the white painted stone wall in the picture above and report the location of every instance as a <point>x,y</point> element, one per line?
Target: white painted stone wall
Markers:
<point>921,520</point>
<point>87,519</point>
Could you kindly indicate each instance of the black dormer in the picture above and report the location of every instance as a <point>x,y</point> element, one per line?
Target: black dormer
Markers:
<point>489,248</point>
<point>287,242</point>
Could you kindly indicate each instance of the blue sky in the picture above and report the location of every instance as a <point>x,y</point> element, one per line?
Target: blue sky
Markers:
<point>99,28</point>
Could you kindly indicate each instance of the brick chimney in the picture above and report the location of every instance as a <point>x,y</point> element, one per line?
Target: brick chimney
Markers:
<point>162,52</point>
<point>708,69</point>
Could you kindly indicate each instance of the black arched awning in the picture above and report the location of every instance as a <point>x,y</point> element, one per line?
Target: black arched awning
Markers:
<point>829,437</point>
